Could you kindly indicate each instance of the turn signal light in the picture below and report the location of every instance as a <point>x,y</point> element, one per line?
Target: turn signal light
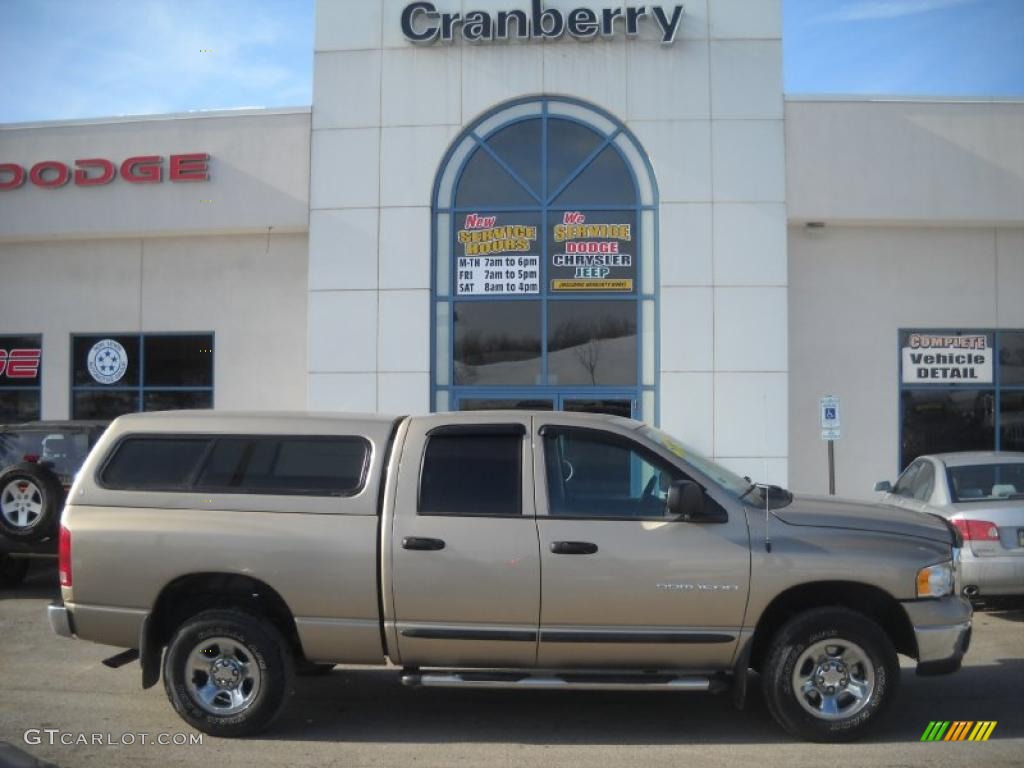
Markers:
<point>977,530</point>
<point>64,557</point>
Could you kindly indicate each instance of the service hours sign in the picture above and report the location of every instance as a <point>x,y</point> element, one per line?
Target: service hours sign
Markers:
<point>497,255</point>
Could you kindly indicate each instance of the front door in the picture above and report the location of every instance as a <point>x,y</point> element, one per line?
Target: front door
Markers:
<point>464,561</point>
<point>624,585</point>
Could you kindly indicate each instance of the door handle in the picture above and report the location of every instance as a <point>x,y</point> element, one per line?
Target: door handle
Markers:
<point>573,547</point>
<point>415,542</point>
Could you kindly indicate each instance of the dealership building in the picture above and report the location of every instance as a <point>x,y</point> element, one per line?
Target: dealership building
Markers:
<point>581,205</point>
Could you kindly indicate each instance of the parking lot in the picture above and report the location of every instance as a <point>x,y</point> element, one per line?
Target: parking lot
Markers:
<point>357,717</point>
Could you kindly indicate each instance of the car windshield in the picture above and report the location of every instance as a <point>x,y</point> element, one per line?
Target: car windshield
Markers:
<point>64,451</point>
<point>729,481</point>
<point>986,482</point>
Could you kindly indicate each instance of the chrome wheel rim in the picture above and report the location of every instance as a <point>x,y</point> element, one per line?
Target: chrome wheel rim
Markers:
<point>833,679</point>
<point>21,503</point>
<point>222,676</point>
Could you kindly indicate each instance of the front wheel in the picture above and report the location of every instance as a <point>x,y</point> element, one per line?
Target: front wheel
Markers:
<point>227,673</point>
<point>829,674</point>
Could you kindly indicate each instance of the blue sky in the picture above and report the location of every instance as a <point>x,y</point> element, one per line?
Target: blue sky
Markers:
<point>63,59</point>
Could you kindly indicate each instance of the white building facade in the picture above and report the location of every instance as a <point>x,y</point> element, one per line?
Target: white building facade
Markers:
<point>595,209</point>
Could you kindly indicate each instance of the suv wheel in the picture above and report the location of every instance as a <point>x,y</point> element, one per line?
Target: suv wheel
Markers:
<point>227,673</point>
<point>12,570</point>
<point>829,673</point>
<point>30,502</point>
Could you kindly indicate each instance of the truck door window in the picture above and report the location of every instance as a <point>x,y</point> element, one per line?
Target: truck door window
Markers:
<point>473,474</point>
<point>594,474</point>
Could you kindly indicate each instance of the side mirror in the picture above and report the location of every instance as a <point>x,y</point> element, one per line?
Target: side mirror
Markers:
<point>883,486</point>
<point>687,501</point>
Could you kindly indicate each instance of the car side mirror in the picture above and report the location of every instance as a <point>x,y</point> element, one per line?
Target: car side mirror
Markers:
<point>687,501</point>
<point>883,486</point>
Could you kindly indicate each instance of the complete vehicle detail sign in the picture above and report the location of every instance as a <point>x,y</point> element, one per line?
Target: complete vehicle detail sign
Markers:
<point>935,358</point>
<point>422,22</point>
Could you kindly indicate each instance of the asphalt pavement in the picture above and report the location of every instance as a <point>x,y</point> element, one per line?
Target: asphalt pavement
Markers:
<point>59,704</point>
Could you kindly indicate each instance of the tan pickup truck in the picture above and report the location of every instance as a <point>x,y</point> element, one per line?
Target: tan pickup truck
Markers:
<point>490,550</point>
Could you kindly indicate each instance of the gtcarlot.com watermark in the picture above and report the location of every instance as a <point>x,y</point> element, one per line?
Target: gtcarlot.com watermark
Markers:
<point>56,737</point>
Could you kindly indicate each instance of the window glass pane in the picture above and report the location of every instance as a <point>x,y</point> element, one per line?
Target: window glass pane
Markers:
<point>91,404</point>
<point>497,343</point>
<point>605,181</point>
<point>519,146</point>
<point>154,463</point>
<point>484,182</point>
<point>986,482</point>
<point>475,474</point>
<point>20,361</point>
<point>940,421</point>
<point>622,408</point>
<point>19,405</point>
<point>178,361</point>
<point>604,476</point>
<point>1011,421</point>
<point>176,401</point>
<point>924,482</point>
<point>1011,357</point>
<point>569,144</point>
<point>106,360</point>
<point>905,482</point>
<point>592,251</point>
<point>592,343</point>
<point>509,404</point>
<point>286,465</point>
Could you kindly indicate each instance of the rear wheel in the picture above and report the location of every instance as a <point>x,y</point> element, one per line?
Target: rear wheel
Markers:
<point>228,673</point>
<point>12,570</point>
<point>830,672</point>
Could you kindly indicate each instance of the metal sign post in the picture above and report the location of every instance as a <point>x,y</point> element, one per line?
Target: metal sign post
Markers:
<point>830,431</point>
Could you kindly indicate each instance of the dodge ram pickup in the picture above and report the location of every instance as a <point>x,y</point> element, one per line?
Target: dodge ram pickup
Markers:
<point>529,550</point>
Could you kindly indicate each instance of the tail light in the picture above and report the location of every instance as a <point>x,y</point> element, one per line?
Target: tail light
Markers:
<point>977,530</point>
<point>64,557</point>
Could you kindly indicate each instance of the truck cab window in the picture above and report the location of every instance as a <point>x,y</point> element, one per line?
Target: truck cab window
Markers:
<point>591,474</point>
<point>473,474</point>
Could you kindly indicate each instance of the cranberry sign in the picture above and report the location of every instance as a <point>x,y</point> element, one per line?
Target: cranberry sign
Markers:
<point>20,364</point>
<point>98,171</point>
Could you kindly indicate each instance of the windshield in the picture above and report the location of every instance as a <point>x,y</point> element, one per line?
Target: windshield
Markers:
<point>718,474</point>
<point>986,482</point>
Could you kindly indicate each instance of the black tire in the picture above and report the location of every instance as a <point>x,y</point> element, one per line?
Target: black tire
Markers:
<point>270,656</point>
<point>832,629</point>
<point>45,495</point>
<point>12,570</point>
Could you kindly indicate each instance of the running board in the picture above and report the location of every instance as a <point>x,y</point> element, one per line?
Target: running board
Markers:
<point>561,682</point>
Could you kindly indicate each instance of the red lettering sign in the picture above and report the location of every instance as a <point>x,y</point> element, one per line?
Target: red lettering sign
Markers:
<point>189,167</point>
<point>97,171</point>
<point>20,363</point>
<point>37,177</point>
<point>105,176</point>
<point>17,176</point>
<point>145,169</point>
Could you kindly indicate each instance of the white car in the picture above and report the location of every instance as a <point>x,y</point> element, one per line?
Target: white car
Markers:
<point>982,494</point>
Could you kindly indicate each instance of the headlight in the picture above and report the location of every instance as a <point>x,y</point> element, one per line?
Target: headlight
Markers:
<point>935,580</point>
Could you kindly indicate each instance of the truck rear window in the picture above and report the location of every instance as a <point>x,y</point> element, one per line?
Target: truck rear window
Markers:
<point>265,464</point>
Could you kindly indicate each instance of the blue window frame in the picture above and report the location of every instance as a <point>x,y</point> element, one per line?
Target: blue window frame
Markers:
<point>117,373</point>
<point>544,291</point>
<point>963,390</point>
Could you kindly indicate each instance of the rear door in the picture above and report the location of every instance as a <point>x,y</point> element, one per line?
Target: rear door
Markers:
<point>623,584</point>
<point>464,585</point>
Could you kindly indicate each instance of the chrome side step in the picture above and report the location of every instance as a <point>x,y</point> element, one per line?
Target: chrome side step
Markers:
<point>560,681</point>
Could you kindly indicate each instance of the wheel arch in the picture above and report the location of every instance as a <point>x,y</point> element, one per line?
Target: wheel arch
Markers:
<point>873,602</point>
<point>194,593</point>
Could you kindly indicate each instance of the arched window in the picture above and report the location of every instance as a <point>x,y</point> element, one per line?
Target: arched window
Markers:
<point>545,221</point>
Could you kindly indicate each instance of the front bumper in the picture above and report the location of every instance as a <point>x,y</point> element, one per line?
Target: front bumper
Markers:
<point>942,629</point>
<point>60,620</point>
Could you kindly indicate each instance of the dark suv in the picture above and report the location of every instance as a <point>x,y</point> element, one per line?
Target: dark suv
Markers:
<point>38,461</point>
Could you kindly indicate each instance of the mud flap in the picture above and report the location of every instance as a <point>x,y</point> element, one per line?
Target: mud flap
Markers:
<point>150,653</point>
